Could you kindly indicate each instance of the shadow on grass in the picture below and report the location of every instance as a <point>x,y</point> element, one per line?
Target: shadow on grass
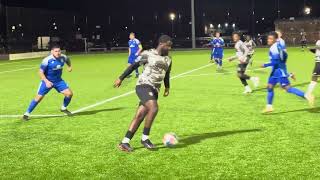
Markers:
<point>295,85</point>
<point>198,138</point>
<point>310,110</point>
<point>84,113</point>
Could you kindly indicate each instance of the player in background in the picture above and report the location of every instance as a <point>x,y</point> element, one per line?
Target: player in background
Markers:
<point>217,44</point>
<point>283,46</point>
<point>135,49</point>
<point>279,74</point>
<point>303,40</point>
<point>157,67</point>
<point>50,74</point>
<point>250,45</point>
<point>242,54</point>
<point>316,71</point>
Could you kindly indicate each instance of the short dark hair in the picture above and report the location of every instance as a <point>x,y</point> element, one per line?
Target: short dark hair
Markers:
<point>236,33</point>
<point>164,39</point>
<point>274,34</point>
<point>55,46</point>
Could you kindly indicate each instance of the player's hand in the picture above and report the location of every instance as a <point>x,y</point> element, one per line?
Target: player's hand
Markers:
<point>117,83</point>
<point>69,69</point>
<point>49,84</point>
<point>262,66</point>
<point>137,54</point>
<point>166,92</point>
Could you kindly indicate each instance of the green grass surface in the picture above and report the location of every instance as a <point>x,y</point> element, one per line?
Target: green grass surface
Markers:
<point>223,134</point>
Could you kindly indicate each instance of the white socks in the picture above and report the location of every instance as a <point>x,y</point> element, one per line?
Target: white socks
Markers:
<point>144,137</point>
<point>125,140</point>
<point>311,87</point>
<point>63,108</point>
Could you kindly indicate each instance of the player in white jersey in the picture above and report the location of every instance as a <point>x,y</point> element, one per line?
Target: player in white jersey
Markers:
<point>250,45</point>
<point>242,54</point>
<point>157,67</point>
<point>316,70</point>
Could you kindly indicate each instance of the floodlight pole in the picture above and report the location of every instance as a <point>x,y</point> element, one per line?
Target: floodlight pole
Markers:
<point>3,24</point>
<point>193,25</point>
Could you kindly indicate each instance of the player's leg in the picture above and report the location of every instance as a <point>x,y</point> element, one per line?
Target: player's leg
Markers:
<point>152,106</point>
<point>68,94</point>
<point>243,78</point>
<point>270,96</point>
<point>42,91</point>
<point>285,83</point>
<point>135,123</point>
<point>314,80</point>
<point>63,88</point>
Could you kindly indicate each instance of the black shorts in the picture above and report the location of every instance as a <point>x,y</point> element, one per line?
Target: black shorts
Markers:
<point>242,68</point>
<point>303,43</point>
<point>145,93</point>
<point>316,70</point>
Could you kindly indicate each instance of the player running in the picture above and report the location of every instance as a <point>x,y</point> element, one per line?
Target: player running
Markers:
<point>279,73</point>
<point>316,71</point>
<point>303,40</point>
<point>217,44</point>
<point>135,49</point>
<point>243,55</point>
<point>50,74</point>
<point>283,46</point>
<point>157,67</point>
<point>250,45</point>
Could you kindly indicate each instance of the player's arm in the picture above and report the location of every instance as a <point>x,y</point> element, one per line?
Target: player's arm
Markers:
<point>167,81</point>
<point>245,54</point>
<point>222,43</point>
<point>68,62</point>
<point>232,58</point>
<point>253,44</point>
<point>139,47</point>
<point>142,60</point>
<point>43,69</point>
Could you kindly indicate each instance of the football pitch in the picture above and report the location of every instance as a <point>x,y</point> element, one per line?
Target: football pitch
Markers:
<point>222,133</point>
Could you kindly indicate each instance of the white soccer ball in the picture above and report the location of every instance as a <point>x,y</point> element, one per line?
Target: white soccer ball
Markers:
<point>170,139</point>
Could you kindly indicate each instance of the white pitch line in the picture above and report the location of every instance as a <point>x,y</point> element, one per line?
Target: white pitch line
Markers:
<point>25,61</point>
<point>132,92</point>
<point>19,116</point>
<point>210,74</point>
<point>4,72</point>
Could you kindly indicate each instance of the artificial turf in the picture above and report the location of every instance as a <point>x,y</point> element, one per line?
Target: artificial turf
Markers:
<point>223,134</point>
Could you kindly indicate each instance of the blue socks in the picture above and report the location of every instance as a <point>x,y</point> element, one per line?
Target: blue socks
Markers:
<point>137,71</point>
<point>66,101</point>
<point>32,105</point>
<point>270,96</point>
<point>296,91</point>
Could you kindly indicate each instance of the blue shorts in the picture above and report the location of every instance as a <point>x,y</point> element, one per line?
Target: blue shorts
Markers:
<point>283,81</point>
<point>59,87</point>
<point>132,59</point>
<point>217,54</point>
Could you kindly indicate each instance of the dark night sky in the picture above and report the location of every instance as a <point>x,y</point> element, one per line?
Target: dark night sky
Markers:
<point>144,12</point>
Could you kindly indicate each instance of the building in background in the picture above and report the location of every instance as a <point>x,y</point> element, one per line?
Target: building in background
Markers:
<point>294,29</point>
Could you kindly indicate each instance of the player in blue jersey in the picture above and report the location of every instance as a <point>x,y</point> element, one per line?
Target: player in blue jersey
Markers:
<point>135,49</point>
<point>283,46</point>
<point>50,73</point>
<point>217,44</point>
<point>279,73</point>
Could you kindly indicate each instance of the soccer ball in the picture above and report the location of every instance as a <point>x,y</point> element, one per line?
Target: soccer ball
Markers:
<point>170,139</point>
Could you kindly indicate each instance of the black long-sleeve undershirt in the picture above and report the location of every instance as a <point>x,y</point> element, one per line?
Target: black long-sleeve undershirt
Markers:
<point>129,70</point>
<point>166,79</point>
